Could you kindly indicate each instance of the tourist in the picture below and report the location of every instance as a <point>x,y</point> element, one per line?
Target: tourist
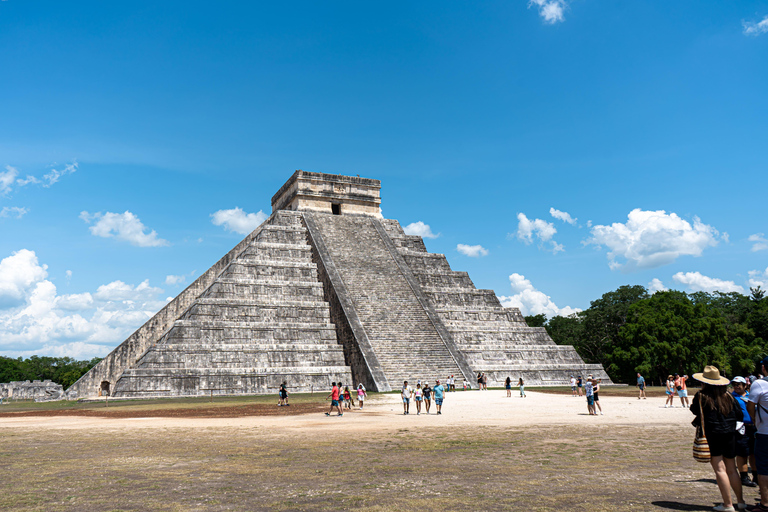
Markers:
<point>758,411</point>
<point>522,387</point>
<point>670,392</point>
<point>418,395</point>
<point>361,394</point>
<point>438,391</point>
<point>589,392</point>
<point>283,394</point>
<point>596,393</point>
<point>480,381</point>
<point>579,384</point>
<point>406,393</point>
<point>682,390</point>
<point>347,398</point>
<point>641,386</point>
<point>334,397</point>
<point>717,410</point>
<point>573,386</point>
<point>426,394</point>
<point>485,382</point>
<point>452,384</point>
<point>508,386</point>
<point>745,435</point>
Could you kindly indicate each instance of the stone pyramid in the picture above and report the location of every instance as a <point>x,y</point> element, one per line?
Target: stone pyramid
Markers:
<point>327,290</point>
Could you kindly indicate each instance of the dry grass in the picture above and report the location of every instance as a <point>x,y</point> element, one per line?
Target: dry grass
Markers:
<point>597,468</point>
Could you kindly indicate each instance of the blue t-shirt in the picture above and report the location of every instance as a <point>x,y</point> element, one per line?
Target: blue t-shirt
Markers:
<point>742,401</point>
<point>438,391</point>
<point>640,381</point>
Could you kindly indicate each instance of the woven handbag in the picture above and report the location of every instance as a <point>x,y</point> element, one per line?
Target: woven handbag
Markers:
<point>700,444</point>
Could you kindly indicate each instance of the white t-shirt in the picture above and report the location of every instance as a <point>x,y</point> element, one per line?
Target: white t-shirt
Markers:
<point>758,393</point>
<point>573,382</point>
<point>406,392</point>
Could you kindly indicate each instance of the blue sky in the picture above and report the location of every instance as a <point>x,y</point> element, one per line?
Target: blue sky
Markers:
<point>556,149</point>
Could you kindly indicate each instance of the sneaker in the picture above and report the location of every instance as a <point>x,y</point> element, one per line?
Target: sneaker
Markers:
<point>327,414</point>
<point>757,508</point>
<point>741,506</point>
<point>342,414</point>
<point>601,413</point>
<point>723,508</point>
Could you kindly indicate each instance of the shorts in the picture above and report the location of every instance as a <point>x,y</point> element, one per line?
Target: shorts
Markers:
<point>590,400</point>
<point>573,388</point>
<point>742,445</point>
<point>723,445</point>
<point>438,401</point>
<point>334,403</point>
<point>641,386</point>
<point>761,453</point>
<point>669,393</point>
<point>406,400</point>
<point>508,386</point>
<point>597,398</point>
<point>418,399</point>
<point>683,393</point>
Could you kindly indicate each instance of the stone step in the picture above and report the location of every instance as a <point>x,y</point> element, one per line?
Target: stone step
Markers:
<point>283,370</point>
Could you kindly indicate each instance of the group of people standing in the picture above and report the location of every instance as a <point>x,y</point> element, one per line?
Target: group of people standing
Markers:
<point>735,425</point>
<point>423,394</point>
<point>591,387</point>
<point>508,387</point>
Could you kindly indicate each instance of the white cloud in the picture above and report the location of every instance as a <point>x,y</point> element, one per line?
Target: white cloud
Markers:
<point>6,179</point>
<point>13,211</point>
<point>652,238</point>
<point>473,251</point>
<point>54,176</point>
<point>552,11</point>
<point>420,229</point>
<point>698,282</point>
<point>759,241</point>
<point>563,216</point>
<point>758,278</point>
<point>37,320</point>
<point>541,229</point>
<point>531,301</point>
<point>123,226</point>
<point>173,280</point>
<point>755,29</point>
<point>237,221</point>
<point>18,274</point>
<point>656,286</point>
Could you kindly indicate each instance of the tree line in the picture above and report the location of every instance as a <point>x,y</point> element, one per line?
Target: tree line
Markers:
<point>62,370</point>
<point>629,330</point>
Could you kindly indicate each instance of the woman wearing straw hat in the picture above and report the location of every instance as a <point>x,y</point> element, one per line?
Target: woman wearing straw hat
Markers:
<point>718,410</point>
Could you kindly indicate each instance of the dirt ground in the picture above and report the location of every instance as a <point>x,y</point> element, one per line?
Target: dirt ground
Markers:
<point>485,452</point>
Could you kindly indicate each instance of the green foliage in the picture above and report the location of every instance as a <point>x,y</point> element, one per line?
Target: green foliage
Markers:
<point>630,331</point>
<point>62,370</point>
<point>536,320</point>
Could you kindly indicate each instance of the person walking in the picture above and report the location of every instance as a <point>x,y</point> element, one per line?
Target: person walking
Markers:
<point>758,411</point>
<point>522,387</point>
<point>745,435</point>
<point>670,392</point>
<point>406,393</point>
<point>485,382</point>
<point>579,384</point>
<point>334,396</point>
<point>573,386</point>
<point>347,398</point>
<point>426,395</point>
<point>438,391</point>
<point>589,392</point>
<point>480,381</point>
<point>717,411</point>
<point>418,396</point>
<point>361,395</point>
<point>283,394</point>
<point>508,386</point>
<point>641,386</point>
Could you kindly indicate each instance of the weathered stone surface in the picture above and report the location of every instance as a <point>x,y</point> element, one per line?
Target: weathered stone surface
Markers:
<point>325,289</point>
<point>31,390</point>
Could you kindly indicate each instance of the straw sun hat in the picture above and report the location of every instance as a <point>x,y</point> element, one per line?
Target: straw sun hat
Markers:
<point>711,375</point>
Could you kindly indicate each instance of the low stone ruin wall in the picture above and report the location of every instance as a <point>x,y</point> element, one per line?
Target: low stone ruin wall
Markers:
<point>35,390</point>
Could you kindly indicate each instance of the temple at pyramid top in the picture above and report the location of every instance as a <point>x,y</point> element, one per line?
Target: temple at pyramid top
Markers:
<point>329,193</point>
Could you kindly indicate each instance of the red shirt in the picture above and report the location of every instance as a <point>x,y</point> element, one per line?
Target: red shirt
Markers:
<point>335,393</point>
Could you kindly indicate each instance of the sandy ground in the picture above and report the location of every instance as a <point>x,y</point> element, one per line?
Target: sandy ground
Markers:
<point>385,412</point>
